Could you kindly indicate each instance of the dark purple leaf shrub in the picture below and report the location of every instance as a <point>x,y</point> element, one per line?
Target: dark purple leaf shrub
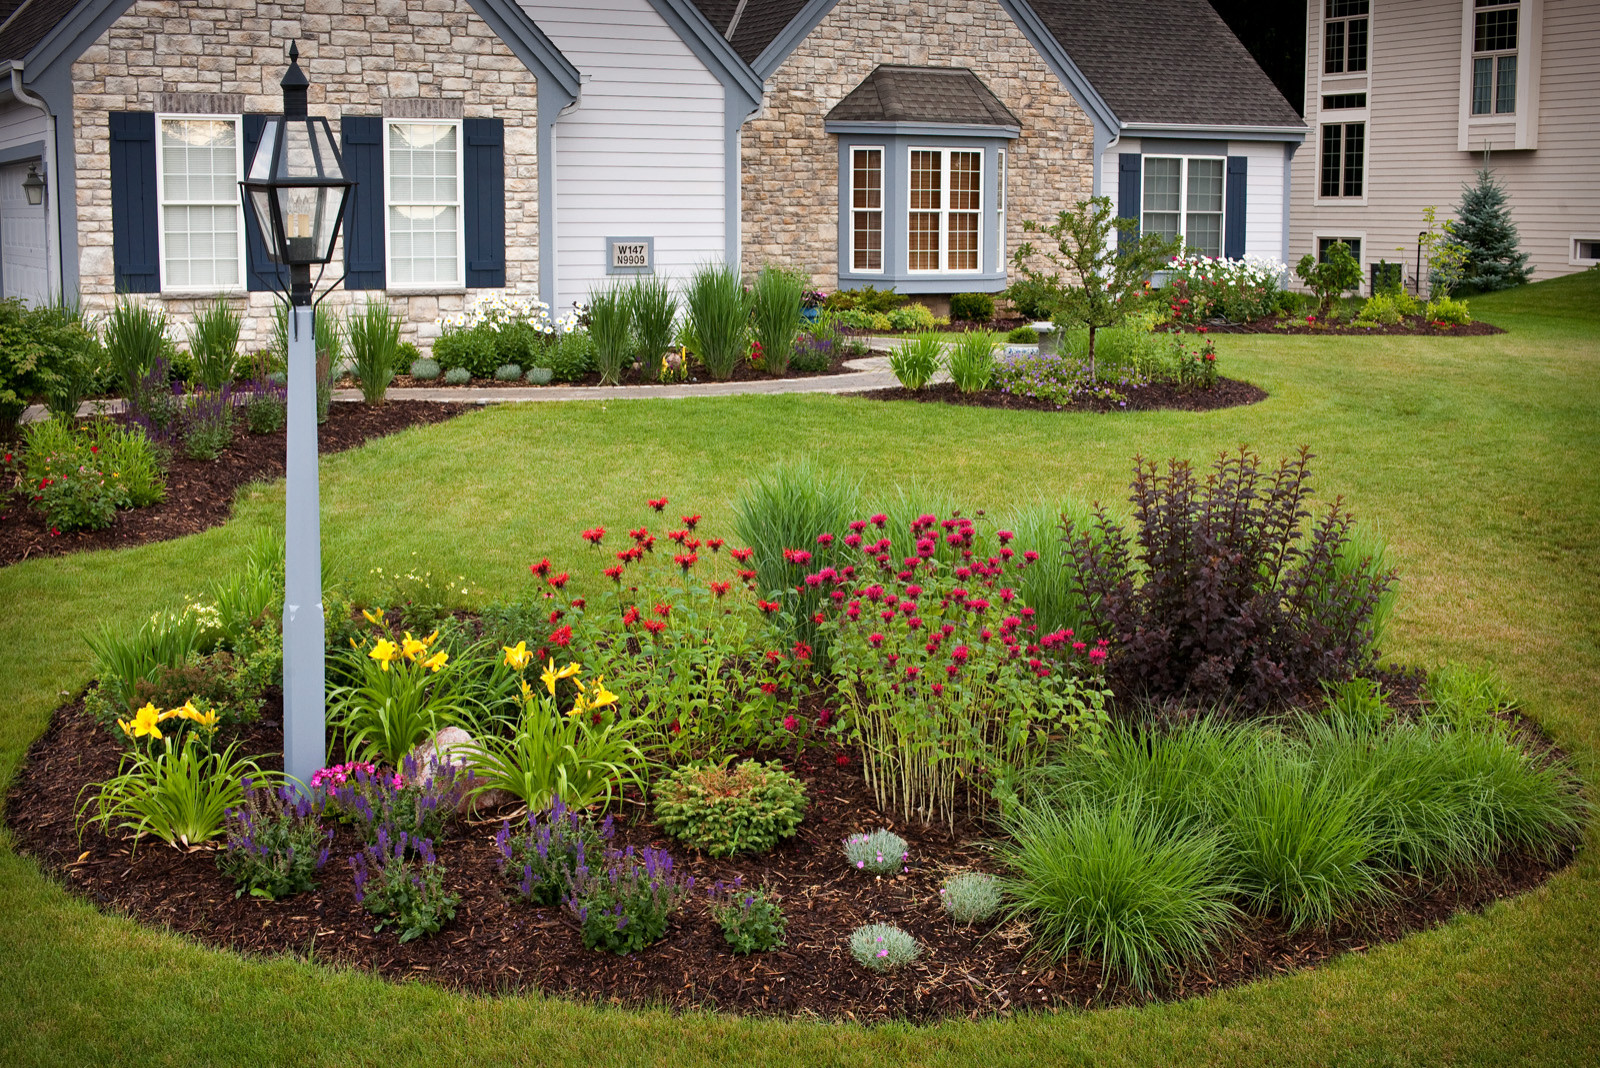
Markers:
<point>1223,594</point>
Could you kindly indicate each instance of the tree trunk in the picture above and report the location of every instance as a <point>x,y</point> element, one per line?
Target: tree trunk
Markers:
<point>1091,353</point>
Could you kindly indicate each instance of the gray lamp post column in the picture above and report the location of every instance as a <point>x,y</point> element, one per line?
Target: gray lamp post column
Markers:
<point>296,190</point>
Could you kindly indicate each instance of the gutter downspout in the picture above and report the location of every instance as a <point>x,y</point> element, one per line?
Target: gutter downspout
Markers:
<point>52,209</point>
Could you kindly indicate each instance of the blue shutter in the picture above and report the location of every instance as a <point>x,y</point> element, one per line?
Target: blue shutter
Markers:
<point>261,274</point>
<point>1129,193</point>
<point>484,206</point>
<point>1236,208</point>
<point>362,149</point>
<point>135,241</point>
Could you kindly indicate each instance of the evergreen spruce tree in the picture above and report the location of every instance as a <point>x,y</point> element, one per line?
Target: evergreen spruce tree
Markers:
<point>1483,228</point>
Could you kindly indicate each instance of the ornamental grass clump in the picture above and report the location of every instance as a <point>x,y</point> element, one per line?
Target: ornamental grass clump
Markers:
<point>917,359</point>
<point>745,809</point>
<point>719,318</point>
<point>776,297</point>
<point>214,343</point>
<point>970,897</point>
<point>400,880</point>
<point>752,921</point>
<point>374,337</point>
<point>541,860</point>
<point>611,329</point>
<point>882,852</point>
<point>653,310</point>
<point>276,845</point>
<point>879,947</point>
<point>972,360</point>
<point>624,900</point>
<point>179,793</point>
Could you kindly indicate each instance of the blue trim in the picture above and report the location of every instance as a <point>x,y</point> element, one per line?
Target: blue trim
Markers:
<point>261,275</point>
<point>650,256</point>
<point>546,162</point>
<point>895,162</point>
<point>1288,161</point>
<point>789,38</point>
<point>528,43</point>
<point>21,153</point>
<point>1236,207</point>
<point>1130,177</point>
<point>365,252</point>
<point>921,129</point>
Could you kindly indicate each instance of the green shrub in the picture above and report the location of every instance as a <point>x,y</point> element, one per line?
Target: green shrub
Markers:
<point>916,360</point>
<point>45,354</point>
<point>508,372</point>
<point>214,343</point>
<point>912,317</point>
<point>882,852</point>
<point>879,947</point>
<point>719,318</point>
<point>266,407</point>
<point>457,376</point>
<point>571,357</point>
<point>1033,299</point>
<point>82,474</point>
<point>970,897</point>
<point>972,307</point>
<point>374,335</point>
<point>472,349</point>
<point>1132,892</point>
<point>1447,310</point>
<point>1380,310</point>
<point>424,369</point>
<point>746,809</point>
<point>776,299</point>
<point>1023,335</point>
<point>867,299</point>
<point>1336,274</point>
<point>752,921</point>
<point>972,360</point>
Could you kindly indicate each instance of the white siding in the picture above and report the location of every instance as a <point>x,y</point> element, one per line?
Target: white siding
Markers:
<point>641,152</point>
<point>20,124</point>
<point>1263,228</point>
<point>1414,157</point>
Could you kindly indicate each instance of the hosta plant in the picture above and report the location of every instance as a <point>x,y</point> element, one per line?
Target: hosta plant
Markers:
<point>748,808</point>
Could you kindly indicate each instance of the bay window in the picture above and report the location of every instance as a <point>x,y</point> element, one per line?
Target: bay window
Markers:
<point>866,209</point>
<point>423,183</point>
<point>945,205</point>
<point>201,224</point>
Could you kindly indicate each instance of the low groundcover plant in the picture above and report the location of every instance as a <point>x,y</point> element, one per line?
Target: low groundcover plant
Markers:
<point>879,947</point>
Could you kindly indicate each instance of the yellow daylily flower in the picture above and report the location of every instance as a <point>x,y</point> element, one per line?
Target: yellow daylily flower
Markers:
<point>569,671</point>
<point>602,696</point>
<point>430,639</point>
<point>384,652</point>
<point>410,648</point>
<point>437,660</point>
<point>579,706</point>
<point>527,691</point>
<point>549,677</point>
<point>517,658</point>
<point>143,723</point>
<point>374,616</point>
<point>206,719</point>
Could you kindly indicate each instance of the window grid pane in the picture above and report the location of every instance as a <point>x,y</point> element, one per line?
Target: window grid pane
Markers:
<point>1356,46</point>
<point>1205,185</point>
<point>424,204</point>
<point>966,201</point>
<point>1205,233</point>
<point>1482,81</point>
<point>1495,31</point>
<point>1162,184</point>
<point>1505,93</point>
<point>1338,9</point>
<point>199,210</point>
<point>922,240</point>
<point>1331,141</point>
<point>867,203</point>
<point>1333,49</point>
<point>1355,135</point>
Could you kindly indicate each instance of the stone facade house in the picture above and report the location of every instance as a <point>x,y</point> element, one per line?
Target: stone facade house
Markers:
<point>1408,101</point>
<point>548,148</point>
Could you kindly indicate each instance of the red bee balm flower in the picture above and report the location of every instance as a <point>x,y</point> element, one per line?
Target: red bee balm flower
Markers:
<point>562,637</point>
<point>689,520</point>
<point>721,588</point>
<point>542,568</point>
<point>560,580</point>
<point>593,536</point>
<point>790,723</point>
<point>654,626</point>
<point>658,504</point>
<point>614,573</point>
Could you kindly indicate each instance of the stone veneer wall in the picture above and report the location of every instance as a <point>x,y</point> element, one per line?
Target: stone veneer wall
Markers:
<point>357,54</point>
<point>791,166</point>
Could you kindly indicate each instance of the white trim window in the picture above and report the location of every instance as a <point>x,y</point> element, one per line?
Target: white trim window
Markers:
<point>1495,31</point>
<point>422,197</point>
<point>866,210</point>
<point>1351,242</point>
<point>198,160</point>
<point>1344,36</point>
<point>1183,200</point>
<point>1343,166</point>
<point>944,216</point>
<point>1585,251</point>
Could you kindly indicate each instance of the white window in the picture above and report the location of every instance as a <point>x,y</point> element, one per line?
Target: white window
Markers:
<point>1495,28</point>
<point>202,224</point>
<point>1585,251</point>
<point>1344,37</point>
<point>1183,199</point>
<point>423,192</point>
<point>866,210</point>
<point>944,219</point>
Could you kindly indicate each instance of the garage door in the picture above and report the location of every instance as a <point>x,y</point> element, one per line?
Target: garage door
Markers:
<point>24,261</point>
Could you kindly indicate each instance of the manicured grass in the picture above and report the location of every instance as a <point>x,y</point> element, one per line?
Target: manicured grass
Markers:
<point>1477,457</point>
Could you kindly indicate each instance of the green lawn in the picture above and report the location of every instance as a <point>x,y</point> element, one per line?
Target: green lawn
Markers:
<point>1478,457</point>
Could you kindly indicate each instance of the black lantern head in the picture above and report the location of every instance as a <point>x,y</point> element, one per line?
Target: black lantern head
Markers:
<point>296,186</point>
<point>33,185</point>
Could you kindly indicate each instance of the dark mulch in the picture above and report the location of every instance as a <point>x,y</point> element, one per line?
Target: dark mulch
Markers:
<point>1412,325</point>
<point>743,372</point>
<point>200,492</point>
<point>496,944</point>
<point>1228,393</point>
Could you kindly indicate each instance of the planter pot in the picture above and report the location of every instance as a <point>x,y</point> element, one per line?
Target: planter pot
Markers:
<point>540,376</point>
<point>810,314</point>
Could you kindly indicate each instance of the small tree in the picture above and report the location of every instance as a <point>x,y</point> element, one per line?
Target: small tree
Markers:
<point>1337,272</point>
<point>1112,282</point>
<point>1446,258</point>
<point>1487,238</point>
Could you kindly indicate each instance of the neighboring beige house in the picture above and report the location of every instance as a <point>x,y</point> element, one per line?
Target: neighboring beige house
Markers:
<point>1407,99</point>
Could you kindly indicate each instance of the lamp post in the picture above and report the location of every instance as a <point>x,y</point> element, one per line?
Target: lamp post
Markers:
<point>296,189</point>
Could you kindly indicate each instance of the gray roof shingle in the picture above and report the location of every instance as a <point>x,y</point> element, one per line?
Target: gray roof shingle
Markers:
<point>1165,61</point>
<point>894,93</point>
<point>29,24</point>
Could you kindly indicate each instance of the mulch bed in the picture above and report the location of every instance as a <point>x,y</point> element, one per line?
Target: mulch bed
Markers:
<point>1228,393</point>
<point>200,493</point>
<point>743,372</point>
<point>496,944</point>
<point>1414,325</point>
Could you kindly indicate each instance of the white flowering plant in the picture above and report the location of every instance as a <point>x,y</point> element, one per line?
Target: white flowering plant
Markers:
<point>1239,290</point>
<point>500,329</point>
